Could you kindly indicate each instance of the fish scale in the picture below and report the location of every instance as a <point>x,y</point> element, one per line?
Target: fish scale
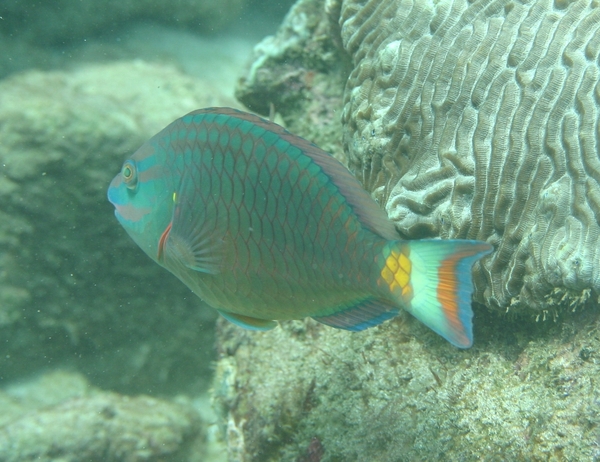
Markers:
<point>258,205</point>
<point>262,241</point>
<point>265,226</point>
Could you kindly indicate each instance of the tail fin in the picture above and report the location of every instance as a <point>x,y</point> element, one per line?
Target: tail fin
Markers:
<point>438,288</point>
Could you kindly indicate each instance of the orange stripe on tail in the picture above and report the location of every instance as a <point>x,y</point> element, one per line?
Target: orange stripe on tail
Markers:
<point>448,286</point>
<point>439,287</point>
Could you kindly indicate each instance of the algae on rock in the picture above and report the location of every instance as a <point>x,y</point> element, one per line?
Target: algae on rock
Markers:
<point>300,74</point>
<point>397,392</point>
<point>59,416</point>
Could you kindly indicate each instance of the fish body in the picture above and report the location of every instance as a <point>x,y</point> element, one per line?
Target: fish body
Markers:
<point>264,226</point>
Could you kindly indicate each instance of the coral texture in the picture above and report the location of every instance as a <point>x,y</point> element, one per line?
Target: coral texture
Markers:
<point>481,120</point>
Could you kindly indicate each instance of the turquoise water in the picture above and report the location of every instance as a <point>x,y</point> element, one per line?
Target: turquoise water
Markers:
<point>106,356</point>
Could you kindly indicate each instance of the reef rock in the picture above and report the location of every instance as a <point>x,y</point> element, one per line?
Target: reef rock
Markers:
<point>480,120</point>
<point>73,287</point>
<point>300,73</point>
<point>95,425</point>
<point>399,393</point>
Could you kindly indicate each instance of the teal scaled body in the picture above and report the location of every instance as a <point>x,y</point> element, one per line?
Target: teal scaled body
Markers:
<point>265,226</point>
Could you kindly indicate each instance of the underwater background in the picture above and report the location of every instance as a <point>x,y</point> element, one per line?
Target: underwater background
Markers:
<point>474,120</point>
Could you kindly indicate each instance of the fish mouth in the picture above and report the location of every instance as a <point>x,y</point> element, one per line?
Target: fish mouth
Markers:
<point>113,190</point>
<point>125,211</point>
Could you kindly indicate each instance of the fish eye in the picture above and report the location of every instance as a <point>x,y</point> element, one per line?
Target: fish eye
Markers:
<point>129,175</point>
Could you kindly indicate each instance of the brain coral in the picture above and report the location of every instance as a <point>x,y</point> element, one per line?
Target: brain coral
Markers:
<point>481,120</point>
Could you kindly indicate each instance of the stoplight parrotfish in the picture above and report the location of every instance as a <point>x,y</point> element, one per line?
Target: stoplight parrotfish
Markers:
<point>264,225</point>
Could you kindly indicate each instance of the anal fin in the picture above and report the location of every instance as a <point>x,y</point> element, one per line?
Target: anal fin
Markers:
<point>368,313</point>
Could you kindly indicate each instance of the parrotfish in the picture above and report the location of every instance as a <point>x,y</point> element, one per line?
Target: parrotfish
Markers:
<point>265,226</point>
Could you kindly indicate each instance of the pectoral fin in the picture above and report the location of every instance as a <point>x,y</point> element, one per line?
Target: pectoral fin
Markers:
<point>192,239</point>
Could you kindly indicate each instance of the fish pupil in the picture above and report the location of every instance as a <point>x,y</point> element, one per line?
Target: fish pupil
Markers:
<point>127,172</point>
<point>129,176</point>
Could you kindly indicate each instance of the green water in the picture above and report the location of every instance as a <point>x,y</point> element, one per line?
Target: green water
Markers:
<point>104,356</point>
<point>86,320</point>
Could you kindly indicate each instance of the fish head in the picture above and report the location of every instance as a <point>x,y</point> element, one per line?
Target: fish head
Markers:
<point>142,195</point>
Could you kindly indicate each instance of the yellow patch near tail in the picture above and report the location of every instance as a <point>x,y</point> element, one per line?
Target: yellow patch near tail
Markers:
<point>396,273</point>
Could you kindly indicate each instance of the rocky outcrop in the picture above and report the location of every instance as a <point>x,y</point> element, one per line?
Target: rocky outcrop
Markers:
<point>72,284</point>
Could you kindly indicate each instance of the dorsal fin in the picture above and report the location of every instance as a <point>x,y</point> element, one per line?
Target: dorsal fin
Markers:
<point>368,212</point>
